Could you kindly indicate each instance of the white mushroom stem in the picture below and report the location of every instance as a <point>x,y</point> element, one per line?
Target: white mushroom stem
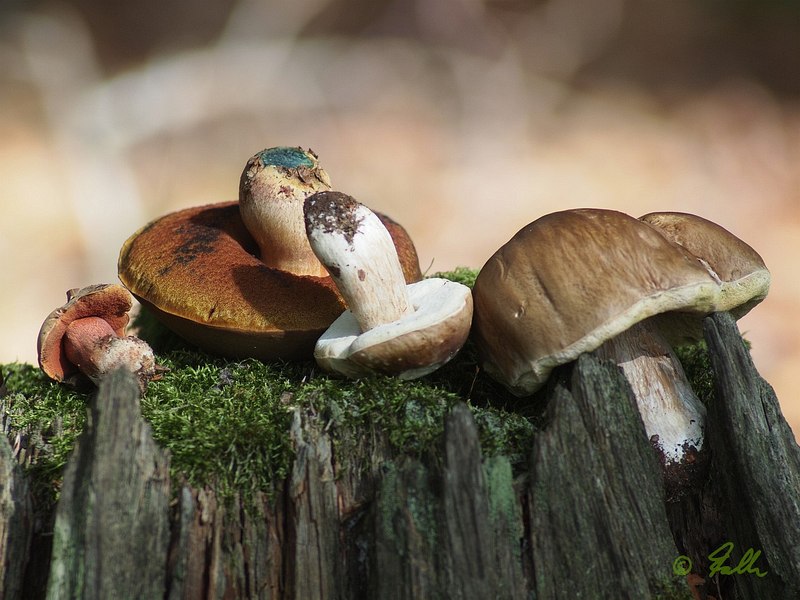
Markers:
<point>95,349</point>
<point>358,252</point>
<point>672,414</point>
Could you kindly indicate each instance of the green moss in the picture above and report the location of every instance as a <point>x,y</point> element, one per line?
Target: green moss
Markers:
<point>48,417</point>
<point>696,364</point>
<point>463,275</point>
<point>226,422</point>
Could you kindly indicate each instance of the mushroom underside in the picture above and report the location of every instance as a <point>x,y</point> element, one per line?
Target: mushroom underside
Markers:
<point>410,347</point>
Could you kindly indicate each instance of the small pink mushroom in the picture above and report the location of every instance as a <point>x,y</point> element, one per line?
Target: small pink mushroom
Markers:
<point>87,336</point>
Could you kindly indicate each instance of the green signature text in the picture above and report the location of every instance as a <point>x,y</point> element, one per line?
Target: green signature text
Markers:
<point>746,565</point>
<point>719,563</point>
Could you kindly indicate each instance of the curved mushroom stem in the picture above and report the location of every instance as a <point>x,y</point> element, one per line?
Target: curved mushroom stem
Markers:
<point>272,188</point>
<point>673,416</point>
<point>358,252</point>
<point>91,345</point>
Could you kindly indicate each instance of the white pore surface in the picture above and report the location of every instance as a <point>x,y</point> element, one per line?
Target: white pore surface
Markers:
<point>434,301</point>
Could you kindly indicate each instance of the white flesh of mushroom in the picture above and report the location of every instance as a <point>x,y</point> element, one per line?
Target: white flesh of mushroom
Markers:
<point>672,414</point>
<point>408,330</point>
<point>434,302</point>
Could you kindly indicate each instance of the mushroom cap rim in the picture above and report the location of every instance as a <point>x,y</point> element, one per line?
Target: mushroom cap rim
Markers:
<point>343,345</point>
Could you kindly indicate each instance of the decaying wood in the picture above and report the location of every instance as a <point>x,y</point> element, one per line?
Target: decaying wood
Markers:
<point>450,534</point>
<point>598,525</point>
<point>586,517</point>
<point>111,527</point>
<point>484,524</point>
<point>223,550</point>
<point>16,522</point>
<point>312,517</point>
<point>756,463</point>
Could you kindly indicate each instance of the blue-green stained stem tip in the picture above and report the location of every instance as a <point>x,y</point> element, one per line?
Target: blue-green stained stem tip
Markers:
<point>284,156</point>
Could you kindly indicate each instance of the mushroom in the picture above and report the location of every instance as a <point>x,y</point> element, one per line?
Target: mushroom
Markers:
<point>588,279</point>
<point>272,188</point>
<point>390,327</point>
<point>736,267</point>
<point>87,336</point>
<point>198,270</point>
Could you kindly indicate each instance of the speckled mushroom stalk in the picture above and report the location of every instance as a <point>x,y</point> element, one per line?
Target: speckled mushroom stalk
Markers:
<point>87,335</point>
<point>359,254</point>
<point>389,327</point>
<point>272,188</point>
<point>673,416</point>
<point>92,346</point>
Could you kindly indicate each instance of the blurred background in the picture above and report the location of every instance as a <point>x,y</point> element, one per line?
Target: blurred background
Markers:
<point>462,119</point>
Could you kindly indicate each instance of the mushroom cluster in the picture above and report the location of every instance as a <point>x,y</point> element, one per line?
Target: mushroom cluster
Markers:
<point>588,279</point>
<point>294,269</point>
<point>239,279</point>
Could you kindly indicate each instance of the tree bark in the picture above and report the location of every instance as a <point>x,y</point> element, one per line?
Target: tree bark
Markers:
<point>756,463</point>
<point>16,521</point>
<point>598,525</point>
<point>111,529</point>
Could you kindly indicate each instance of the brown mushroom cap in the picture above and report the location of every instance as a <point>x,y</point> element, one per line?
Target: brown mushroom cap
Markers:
<point>571,280</point>
<point>197,271</point>
<point>111,302</point>
<point>740,271</point>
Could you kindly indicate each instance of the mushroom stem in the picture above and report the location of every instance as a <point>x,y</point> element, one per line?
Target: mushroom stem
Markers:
<point>358,252</point>
<point>673,416</point>
<point>272,188</point>
<point>92,345</point>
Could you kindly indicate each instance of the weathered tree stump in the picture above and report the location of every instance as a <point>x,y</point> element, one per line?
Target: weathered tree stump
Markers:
<point>586,519</point>
<point>16,527</point>
<point>111,528</point>
<point>598,525</point>
<point>756,465</point>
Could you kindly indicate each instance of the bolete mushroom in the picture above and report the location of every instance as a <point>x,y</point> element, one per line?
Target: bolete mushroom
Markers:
<point>390,327</point>
<point>87,336</point>
<point>737,268</point>
<point>589,279</point>
<point>242,293</point>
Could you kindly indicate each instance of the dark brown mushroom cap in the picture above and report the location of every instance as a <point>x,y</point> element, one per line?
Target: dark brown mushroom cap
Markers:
<point>110,302</point>
<point>571,280</point>
<point>740,271</point>
<point>197,271</point>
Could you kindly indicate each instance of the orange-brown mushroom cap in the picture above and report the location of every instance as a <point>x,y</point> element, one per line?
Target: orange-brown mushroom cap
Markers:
<point>111,302</point>
<point>196,270</point>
